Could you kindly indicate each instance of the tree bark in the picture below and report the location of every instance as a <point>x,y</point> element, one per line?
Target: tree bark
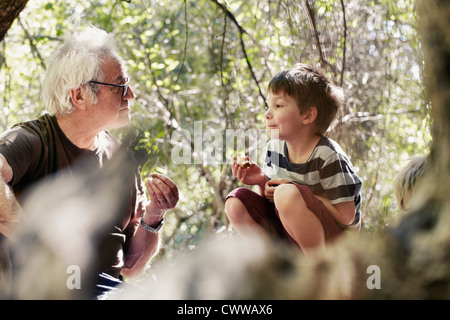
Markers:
<point>434,24</point>
<point>9,11</point>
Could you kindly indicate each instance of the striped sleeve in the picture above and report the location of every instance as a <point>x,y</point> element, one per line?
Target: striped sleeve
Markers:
<point>339,181</point>
<point>272,160</point>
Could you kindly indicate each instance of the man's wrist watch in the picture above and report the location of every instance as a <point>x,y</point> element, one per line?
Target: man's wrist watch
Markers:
<point>154,230</point>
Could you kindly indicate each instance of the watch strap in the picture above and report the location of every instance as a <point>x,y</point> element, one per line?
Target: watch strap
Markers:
<point>151,229</point>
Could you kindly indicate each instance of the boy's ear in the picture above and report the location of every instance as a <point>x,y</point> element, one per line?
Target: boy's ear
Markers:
<point>310,115</point>
<point>77,96</point>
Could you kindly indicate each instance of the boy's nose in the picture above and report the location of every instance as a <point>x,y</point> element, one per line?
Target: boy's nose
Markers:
<point>268,114</point>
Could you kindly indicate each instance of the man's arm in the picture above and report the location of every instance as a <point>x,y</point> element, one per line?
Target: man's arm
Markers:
<point>10,211</point>
<point>145,244</point>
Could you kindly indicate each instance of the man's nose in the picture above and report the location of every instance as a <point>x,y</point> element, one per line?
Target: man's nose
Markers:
<point>130,94</point>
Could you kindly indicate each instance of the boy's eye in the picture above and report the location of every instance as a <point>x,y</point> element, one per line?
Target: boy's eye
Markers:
<point>279,106</point>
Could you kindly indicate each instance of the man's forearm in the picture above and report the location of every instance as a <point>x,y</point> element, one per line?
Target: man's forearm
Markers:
<point>137,260</point>
<point>146,241</point>
<point>143,246</point>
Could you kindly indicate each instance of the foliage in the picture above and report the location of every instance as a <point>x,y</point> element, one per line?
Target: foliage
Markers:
<point>211,61</point>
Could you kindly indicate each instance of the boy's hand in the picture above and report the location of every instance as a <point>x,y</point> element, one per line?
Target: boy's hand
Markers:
<point>271,185</point>
<point>252,175</point>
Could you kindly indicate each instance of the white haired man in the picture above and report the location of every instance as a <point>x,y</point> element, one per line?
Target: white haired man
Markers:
<point>87,91</point>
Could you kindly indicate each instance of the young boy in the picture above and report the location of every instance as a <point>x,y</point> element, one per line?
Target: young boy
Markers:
<point>309,192</point>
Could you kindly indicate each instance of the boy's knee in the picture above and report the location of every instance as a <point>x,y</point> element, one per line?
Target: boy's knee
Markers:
<point>289,201</point>
<point>233,207</point>
<point>286,196</point>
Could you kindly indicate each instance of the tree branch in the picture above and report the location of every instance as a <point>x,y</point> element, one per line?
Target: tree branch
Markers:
<point>323,61</point>
<point>231,16</point>
<point>33,46</point>
<point>312,20</point>
<point>185,42</point>
<point>345,43</point>
<point>244,51</point>
<point>183,61</point>
<point>221,49</point>
<point>9,11</point>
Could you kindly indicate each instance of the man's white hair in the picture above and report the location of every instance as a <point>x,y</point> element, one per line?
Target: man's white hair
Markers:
<point>405,182</point>
<point>73,65</point>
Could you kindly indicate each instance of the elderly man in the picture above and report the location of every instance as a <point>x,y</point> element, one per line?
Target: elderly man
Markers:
<point>87,91</point>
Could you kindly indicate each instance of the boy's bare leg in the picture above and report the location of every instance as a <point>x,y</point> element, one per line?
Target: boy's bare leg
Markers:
<point>239,217</point>
<point>300,222</point>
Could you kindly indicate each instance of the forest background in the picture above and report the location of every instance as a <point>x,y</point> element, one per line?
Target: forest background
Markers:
<point>202,67</point>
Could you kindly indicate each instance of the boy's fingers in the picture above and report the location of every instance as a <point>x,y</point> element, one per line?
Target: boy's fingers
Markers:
<point>234,168</point>
<point>239,172</point>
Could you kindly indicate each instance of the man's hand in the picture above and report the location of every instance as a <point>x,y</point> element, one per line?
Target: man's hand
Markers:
<point>163,195</point>
<point>143,245</point>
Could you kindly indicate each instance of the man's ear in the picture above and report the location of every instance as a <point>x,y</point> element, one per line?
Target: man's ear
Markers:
<point>310,115</point>
<point>77,96</point>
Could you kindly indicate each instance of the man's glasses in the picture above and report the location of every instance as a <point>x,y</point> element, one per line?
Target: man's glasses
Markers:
<point>123,86</point>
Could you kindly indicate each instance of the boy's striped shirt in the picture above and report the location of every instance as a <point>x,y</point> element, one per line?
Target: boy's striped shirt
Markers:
<point>328,172</point>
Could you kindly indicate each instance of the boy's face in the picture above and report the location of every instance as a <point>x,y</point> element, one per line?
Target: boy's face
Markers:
<point>283,119</point>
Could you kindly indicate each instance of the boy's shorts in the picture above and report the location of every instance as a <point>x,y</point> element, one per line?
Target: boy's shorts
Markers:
<point>266,214</point>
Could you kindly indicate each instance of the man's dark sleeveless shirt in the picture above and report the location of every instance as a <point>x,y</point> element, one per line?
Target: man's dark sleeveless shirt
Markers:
<point>38,148</point>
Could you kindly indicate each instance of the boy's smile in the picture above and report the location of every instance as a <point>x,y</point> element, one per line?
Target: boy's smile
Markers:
<point>283,119</point>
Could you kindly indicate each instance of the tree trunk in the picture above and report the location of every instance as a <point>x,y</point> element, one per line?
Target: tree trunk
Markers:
<point>434,26</point>
<point>9,11</point>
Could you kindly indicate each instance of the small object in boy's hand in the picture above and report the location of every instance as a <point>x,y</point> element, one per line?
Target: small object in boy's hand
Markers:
<point>242,161</point>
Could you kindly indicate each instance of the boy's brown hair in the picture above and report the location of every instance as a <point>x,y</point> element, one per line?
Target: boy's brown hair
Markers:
<point>310,87</point>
